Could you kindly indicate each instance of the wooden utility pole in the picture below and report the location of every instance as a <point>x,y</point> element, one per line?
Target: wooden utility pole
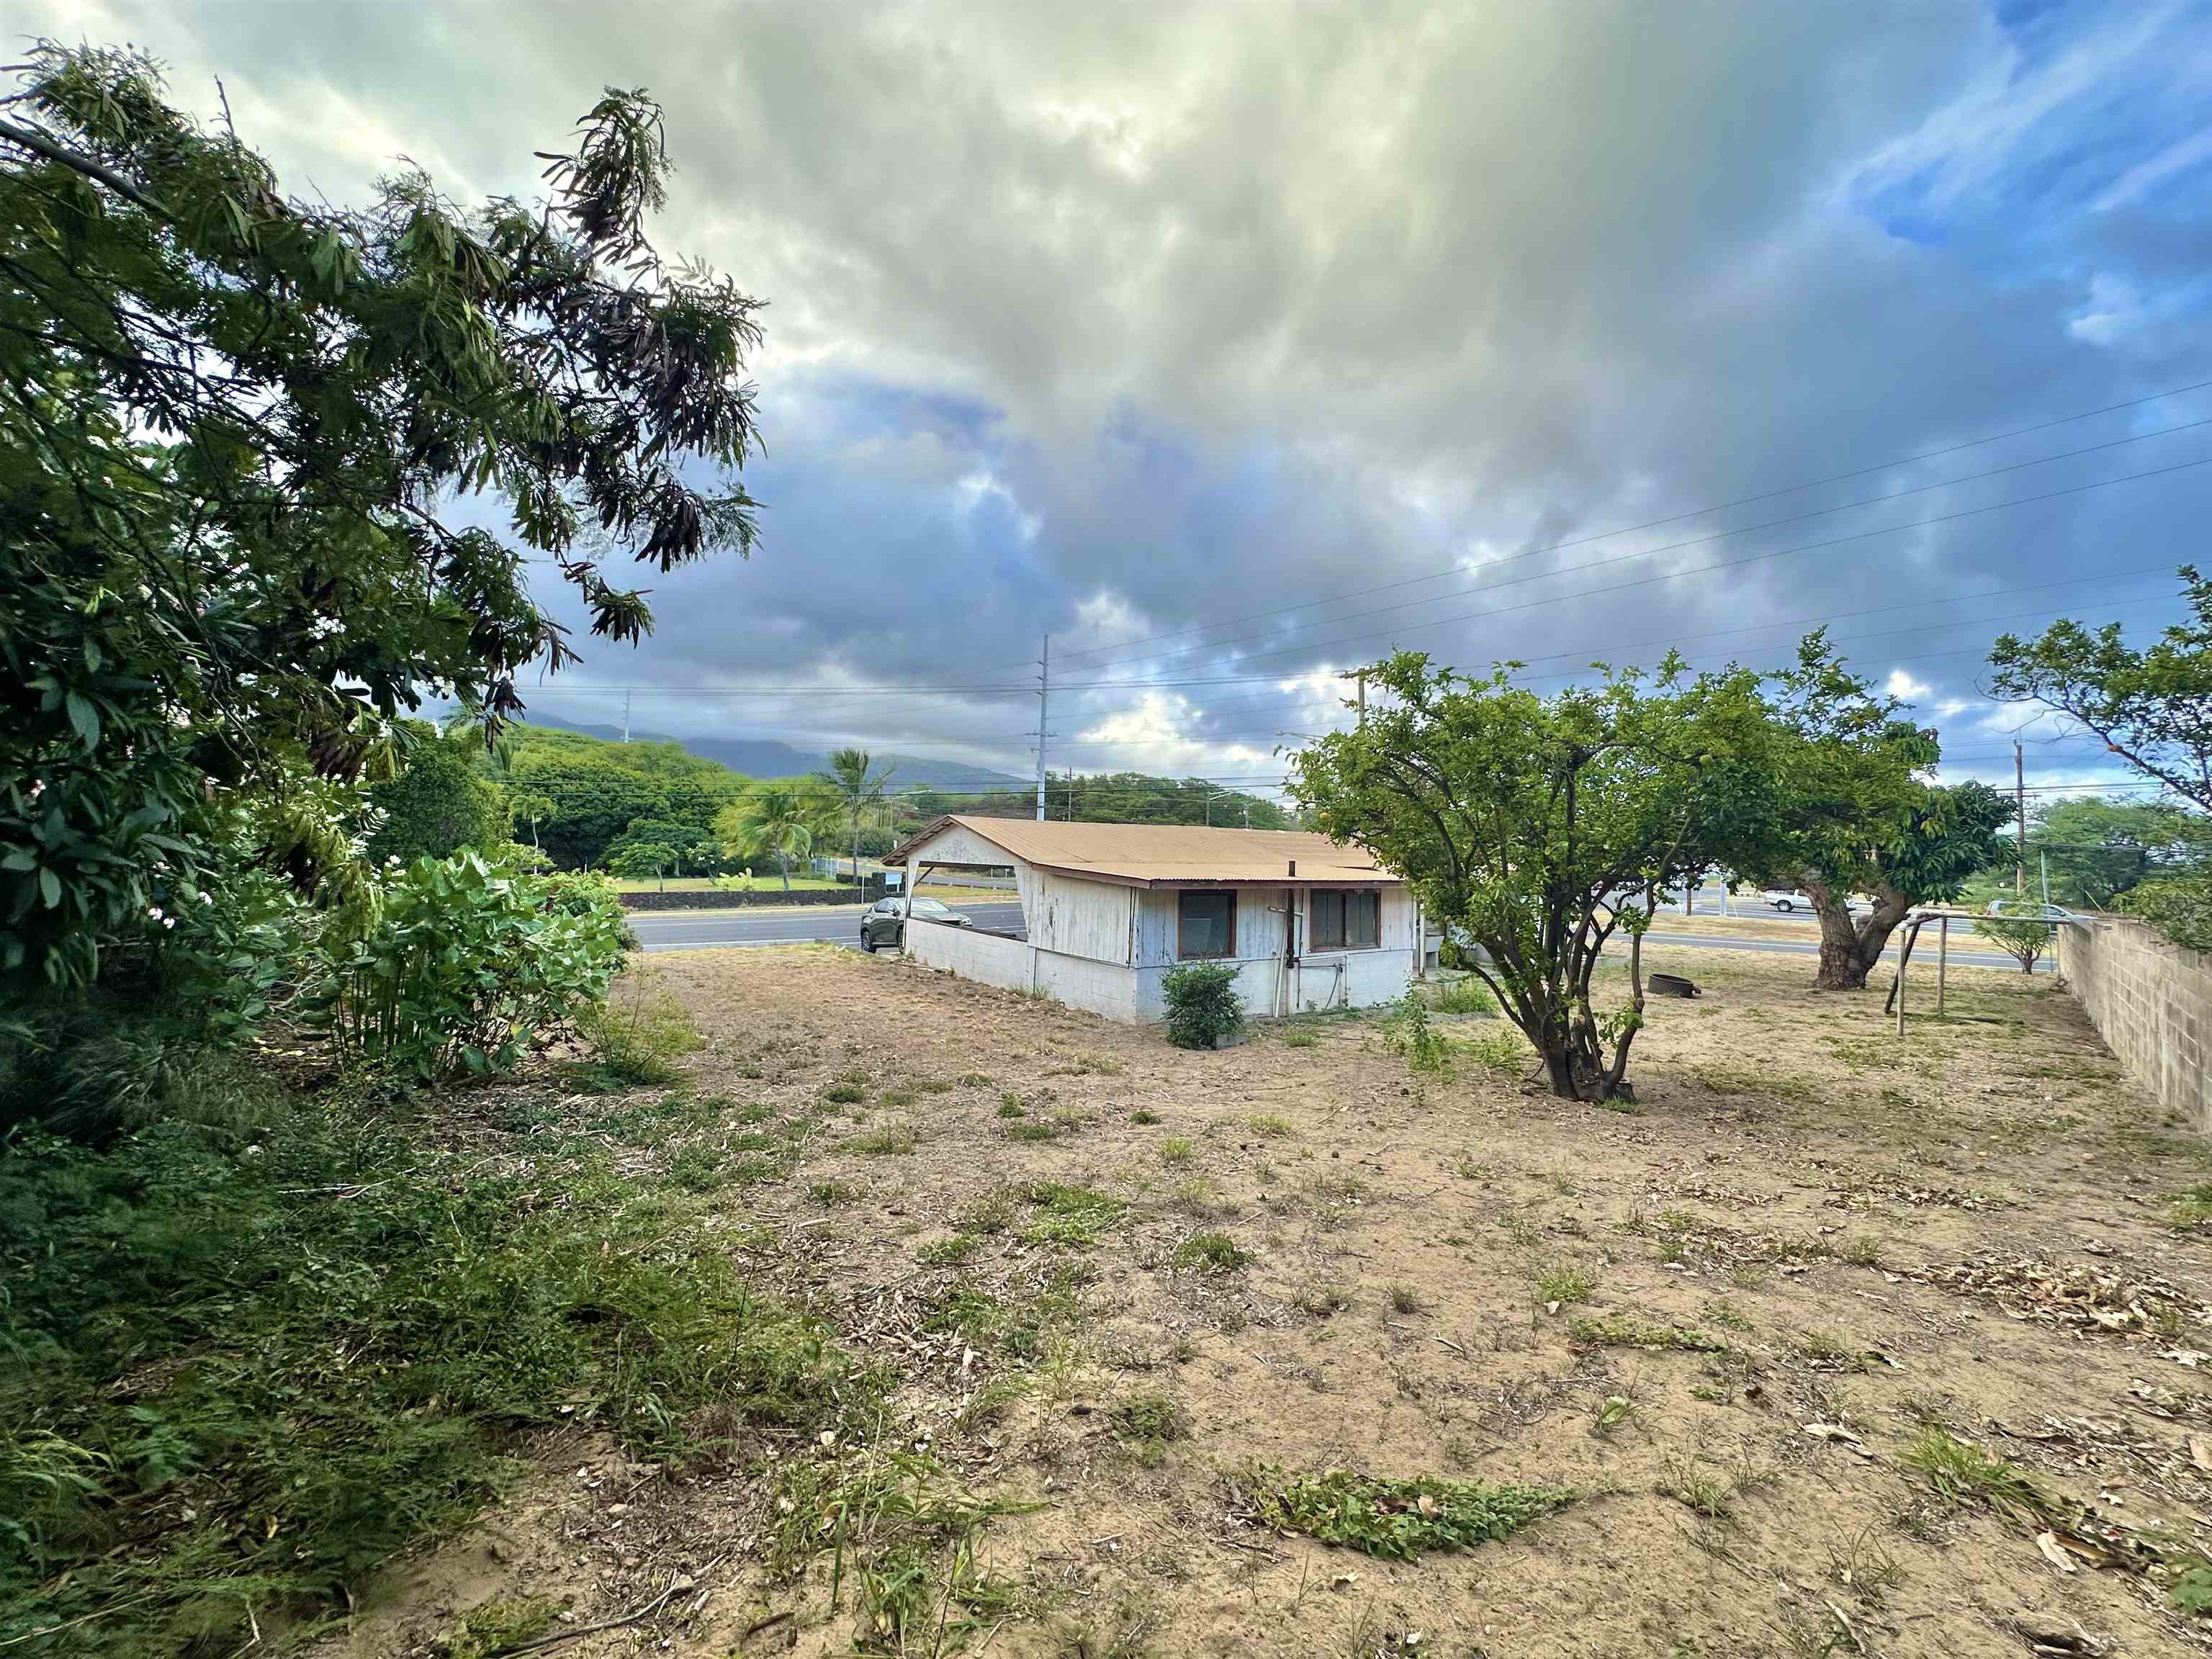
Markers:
<point>2020,806</point>
<point>1362,697</point>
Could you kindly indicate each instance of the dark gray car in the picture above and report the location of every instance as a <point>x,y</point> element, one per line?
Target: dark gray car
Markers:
<point>885,922</point>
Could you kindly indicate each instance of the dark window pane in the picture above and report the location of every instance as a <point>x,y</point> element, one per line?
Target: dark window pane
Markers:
<point>1363,920</point>
<point>1327,921</point>
<point>1207,924</point>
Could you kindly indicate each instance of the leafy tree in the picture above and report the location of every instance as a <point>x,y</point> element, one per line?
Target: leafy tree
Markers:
<point>777,822</point>
<point>857,790</point>
<point>2153,706</point>
<point>231,422</point>
<point>2020,937</point>
<point>438,802</point>
<point>2098,850</point>
<point>594,790</point>
<point>661,848</point>
<point>1537,827</point>
<point>1851,814</point>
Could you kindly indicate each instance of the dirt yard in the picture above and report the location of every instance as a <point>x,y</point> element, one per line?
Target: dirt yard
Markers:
<point>1804,1353</point>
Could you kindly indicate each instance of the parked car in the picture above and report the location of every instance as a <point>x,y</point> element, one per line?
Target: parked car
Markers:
<point>1788,899</point>
<point>885,922</point>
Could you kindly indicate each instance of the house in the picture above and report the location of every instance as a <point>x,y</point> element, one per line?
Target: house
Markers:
<point>1107,909</point>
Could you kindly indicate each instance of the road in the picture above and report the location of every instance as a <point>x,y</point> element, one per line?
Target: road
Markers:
<point>716,929</point>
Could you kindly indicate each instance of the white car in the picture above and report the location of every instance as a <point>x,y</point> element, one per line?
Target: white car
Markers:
<point>1787,900</point>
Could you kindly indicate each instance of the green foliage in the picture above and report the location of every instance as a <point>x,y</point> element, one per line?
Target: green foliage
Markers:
<point>230,421</point>
<point>858,789</point>
<point>779,822</point>
<point>663,846</point>
<point>1109,798</point>
<point>1211,1252</point>
<point>2180,907</point>
<point>1462,996</point>
<point>254,1351</point>
<point>1396,1519</point>
<point>2147,705</point>
<point>2192,1208</point>
<point>637,1033</point>
<point>2022,939</point>
<point>464,963</point>
<point>2098,850</point>
<point>438,802</point>
<point>1849,813</point>
<point>1538,827</point>
<point>1411,1033</point>
<point>1202,1004</point>
<point>591,790</point>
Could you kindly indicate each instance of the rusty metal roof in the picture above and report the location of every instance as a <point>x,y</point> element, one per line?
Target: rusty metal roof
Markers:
<point>1169,854</point>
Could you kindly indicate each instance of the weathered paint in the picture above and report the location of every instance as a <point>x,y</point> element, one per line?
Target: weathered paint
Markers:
<point>1107,947</point>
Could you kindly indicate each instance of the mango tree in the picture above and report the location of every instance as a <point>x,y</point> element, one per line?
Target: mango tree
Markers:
<point>1538,828</point>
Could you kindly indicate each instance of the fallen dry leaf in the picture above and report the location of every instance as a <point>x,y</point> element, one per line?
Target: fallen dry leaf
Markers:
<point>2053,1552</point>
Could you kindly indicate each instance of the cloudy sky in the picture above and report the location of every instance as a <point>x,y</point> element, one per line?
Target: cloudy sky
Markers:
<point>1233,345</point>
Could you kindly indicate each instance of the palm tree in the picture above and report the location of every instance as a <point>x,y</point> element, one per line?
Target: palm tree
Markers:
<point>777,821</point>
<point>857,789</point>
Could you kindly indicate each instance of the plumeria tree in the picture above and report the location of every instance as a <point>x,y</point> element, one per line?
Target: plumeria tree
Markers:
<point>232,423</point>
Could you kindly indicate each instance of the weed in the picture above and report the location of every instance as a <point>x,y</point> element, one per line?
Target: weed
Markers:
<point>992,1213</point>
<point>1143,1114</point>
<point>1863,1251</point>
<point>1518,1228</point>
<point>1012,1106</point>
<point>1861,1565</point>
<point>1501,1053</point>
<point>832,1192</point>
<point>1726,1316</point>
<point>1464,996</point>
<point>934,1085</point>
<point>696,1169</point>
<point>1470,1168</point>
<point>495,1626</point>
<point>1957,1471</point>
<point>1618,1331</point>
<point>638,1033</point>
<point>1210,1252</point>
<point>954,1250</point>
<point>890,1141</point>
<point>1405,1299</point>
<point>1826,1351</point>
<point>897,1099</point>
<point>974,1080</point>
<point>1321,1297</point>
<point>1684,1477</point>
<point>1270,1125</point>
<point>1611,1413</point>
<point>1070,1216</point>
<point>2192,1208</point>
<point>1298,1038</point>
<point>1562,1282</point>
<point>1396,1519</point>
<point>845,1094</point>
<point>1033,1131</point>
<point>1175,1149</point>
<point>1146,1423</point>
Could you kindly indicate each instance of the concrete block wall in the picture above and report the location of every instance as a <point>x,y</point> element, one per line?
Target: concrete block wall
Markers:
<point>2152,1003</point>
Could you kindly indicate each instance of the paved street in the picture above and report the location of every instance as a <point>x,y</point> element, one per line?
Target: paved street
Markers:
<point>714,930</point>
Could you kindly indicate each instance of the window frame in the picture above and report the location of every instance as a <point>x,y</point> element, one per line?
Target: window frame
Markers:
<point>1228,952</point>
<point>1344,941</point>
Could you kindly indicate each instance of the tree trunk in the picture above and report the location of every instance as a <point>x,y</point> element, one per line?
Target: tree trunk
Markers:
<point>1849,947</point>
<point>783,867</point>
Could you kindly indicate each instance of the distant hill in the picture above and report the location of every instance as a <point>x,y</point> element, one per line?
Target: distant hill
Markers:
<point>765,757</point>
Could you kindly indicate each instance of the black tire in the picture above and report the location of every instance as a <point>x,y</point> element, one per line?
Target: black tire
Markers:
<point>1785,906</point>
<point>867,941</point>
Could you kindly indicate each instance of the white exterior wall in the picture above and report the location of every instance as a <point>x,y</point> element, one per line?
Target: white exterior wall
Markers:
<point>1097,987</point>
<point>1321,979</point>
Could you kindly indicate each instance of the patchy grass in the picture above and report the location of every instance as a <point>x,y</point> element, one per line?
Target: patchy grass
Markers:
<point>888,1140</point>
<point>1299,1038</point>
<point>1176,1149</point>
<point>1271,1126</point>
<point>1397,1519</point>
<point>954,1250</point>
<point>1562,1282</point>
<point>1620,1331</point>
<point>1072,1217</point>
<point>1210,1252</point>
<point>2192,1208</point>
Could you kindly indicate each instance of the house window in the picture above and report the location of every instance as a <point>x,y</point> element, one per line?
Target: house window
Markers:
<point>1345,920</point>
<point>1206,925</point>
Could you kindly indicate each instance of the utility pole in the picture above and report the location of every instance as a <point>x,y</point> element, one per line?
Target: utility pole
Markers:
<point>2019,807</point>
<point>625,713</point>
<point>1044,705</point>
<point>1362,697</point>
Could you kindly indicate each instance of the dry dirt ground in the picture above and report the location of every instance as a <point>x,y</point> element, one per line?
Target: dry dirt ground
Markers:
<point>1815,1341</point>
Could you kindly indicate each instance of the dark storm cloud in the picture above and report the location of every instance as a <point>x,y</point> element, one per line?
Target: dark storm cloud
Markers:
<point>1108,321</point>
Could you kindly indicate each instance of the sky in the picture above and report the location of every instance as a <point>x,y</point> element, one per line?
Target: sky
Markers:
<point>1233,346</point>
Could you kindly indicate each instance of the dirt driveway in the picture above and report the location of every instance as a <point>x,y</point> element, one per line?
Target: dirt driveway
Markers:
<point>1799,1357</point>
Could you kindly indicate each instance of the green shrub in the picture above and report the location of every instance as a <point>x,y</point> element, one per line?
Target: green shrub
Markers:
<point>1464,996</point>
<point>248,1365</point>
<point>463,962</point>
<point>2018,937</point>
<point>638,1033</point>
<point>1202,1004</point>
<point>1392,1518</point>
